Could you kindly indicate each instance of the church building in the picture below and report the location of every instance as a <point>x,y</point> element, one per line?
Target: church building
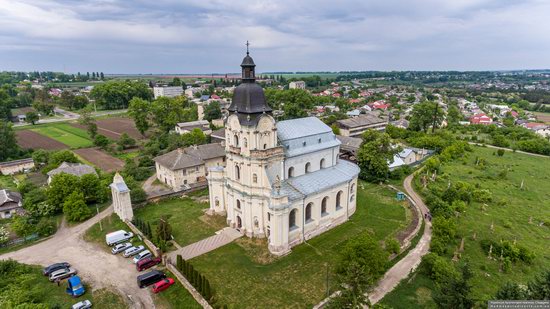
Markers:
<point>282,180</point>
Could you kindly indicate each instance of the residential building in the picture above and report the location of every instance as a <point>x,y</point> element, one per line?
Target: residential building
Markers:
<point>541,129</point>
<point>76,169</point>
<point>10,203</point>
<point>481,119</point>
<point>186,127</point>
<point>297,85</point>
<point>183,167</point>
<point>283,180</point>
<point>170,92</point>
<point>358,125</point>
<point>16,166</point>
<point>190,92</point>
<point>218,136</point>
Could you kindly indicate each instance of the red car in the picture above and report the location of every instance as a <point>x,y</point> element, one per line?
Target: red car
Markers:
<point>162,285</point>
<point>147,263</point>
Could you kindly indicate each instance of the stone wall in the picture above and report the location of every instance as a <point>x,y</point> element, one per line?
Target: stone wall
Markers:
<point>156,251</point>
<point>187,285</point>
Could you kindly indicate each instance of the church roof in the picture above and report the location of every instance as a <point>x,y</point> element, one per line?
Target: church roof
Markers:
<point>248,61</point>
<point>296,128</point>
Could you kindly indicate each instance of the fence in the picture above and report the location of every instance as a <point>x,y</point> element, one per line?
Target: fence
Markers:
<point>156,251</point>
<point>18,241</point>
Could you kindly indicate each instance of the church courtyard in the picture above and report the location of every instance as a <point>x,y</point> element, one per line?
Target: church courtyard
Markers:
<point>246,275</point>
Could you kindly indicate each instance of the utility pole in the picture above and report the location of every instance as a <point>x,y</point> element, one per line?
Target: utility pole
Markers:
<point>100,226</point>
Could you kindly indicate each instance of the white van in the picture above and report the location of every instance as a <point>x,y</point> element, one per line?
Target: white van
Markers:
<point>142,255</point>
<point>117,237</point>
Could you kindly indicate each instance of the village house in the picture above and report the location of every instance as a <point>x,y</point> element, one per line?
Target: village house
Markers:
<point>10,203</point>
<point>408,156</point>
<point>541,129</point>
<point>297,85</point>
<point>218,136</point>
<point>481,119</point>
<point>183,167</point>
<point>77,169</point>
<point>356,126</point>
<point>16,166</point>
<point>186,127</point>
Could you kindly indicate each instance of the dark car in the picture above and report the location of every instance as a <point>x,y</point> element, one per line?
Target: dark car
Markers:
<point>147,263</point>
<point>57,266</point>
<point>149,278</point>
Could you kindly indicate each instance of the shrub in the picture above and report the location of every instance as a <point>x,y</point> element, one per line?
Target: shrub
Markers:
<point>45,227</point>
<point>392,245</point>
<point>482,195</point>
<point>500,152</point>
<point>439,268</point>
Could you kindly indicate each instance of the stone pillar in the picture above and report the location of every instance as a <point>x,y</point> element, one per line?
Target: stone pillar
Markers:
<point>122,203</point>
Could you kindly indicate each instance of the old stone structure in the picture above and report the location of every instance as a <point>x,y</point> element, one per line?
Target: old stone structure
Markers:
<point>284,180</point>
<point>122,203</point>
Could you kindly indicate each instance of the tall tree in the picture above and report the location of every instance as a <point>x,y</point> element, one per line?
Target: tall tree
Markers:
<point>9,148</point>
<point>139,111</point>
<point>456,292</point>
<point>88,121</point>
<point>31,117</point>
<point>212,111</point>
<point>374,154</point>
<point>426,114</point>
<point>75,208</point>
<point>117,94</point>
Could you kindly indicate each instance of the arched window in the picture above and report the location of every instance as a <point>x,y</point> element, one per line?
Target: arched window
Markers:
<point>237,172</point>
<point>254,178</point>
<point>291,172</point>
<point>308,211</point>
<point>245,142</point>
<point>339,200</point>
<point>324,206</point>
<point>238,204</point>
<point>322,163</point>
<point>352,189</point>
<point>236,140</point>
<point>265,146</point>
<point>292,219</point>
<point>351,198</point>
<point>217,202</point>
<point>308,167</point>
<point>256,222</point>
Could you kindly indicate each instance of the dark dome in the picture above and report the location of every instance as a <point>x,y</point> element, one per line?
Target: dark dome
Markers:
<point>249,98</point>
<point>248,61</point>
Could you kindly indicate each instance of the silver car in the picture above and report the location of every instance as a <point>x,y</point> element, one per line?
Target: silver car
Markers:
<point>85,304</point>
<point>120,247</point>
<point>142,255</point>
<point>62,274</point>
<point>133,251</point>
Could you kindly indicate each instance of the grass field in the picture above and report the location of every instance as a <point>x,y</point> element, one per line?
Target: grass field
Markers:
<point>510,213</point>
<point>185,215</point>
<point>175,297</point>
<point>66,134</point>
<point>542,117</point>
<point>244,275</point>
<point>6,182</point>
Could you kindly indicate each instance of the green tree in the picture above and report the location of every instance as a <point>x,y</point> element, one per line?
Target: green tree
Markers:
<point>116,94</point>
<point>75,208</point>
<point>61,186</point>
<point>164,230</point>
<point>455,292</point>
<point>91,188</point>
<point>101,141</point>
<point>212,111</point>
<point>453,115</point>
<point>139,111</point>
<point>539,288</point>
<point>9,149</point>
<point>511,290</point>
<point>125,141</point>
<point>168,112</point>
<point>4,235</point>
<point>88,121</point>
<point>21,226</point>
<point>374,154</point>
<point>31,117</point>
<point>354,280</point>
<point>364,250</point>
<point>426,114</point>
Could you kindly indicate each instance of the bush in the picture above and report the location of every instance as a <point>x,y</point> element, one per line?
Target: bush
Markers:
<point>500,152</point>
<point>439,268</point>
<point>482,196</point>
<point>45,227</point>
<point>392,245</point>
<point>75,208</point>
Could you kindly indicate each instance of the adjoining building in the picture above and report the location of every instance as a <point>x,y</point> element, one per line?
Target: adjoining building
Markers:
<point>297,85</point>
<point>11,203</point>
<point>77,169</point>
<point>183,167</point>
<point>218,136</point>
<point>169,92</point>
<point>356,126</point>
<point>283,180</point>
<point>186,127</point>
<point>409,156</point>
<point>349,147</point>
<point>16,166</point>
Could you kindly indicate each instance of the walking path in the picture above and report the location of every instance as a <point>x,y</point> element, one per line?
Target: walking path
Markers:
<point>222,238</point>
<point>405,266</point>
<point>95,265</point>
<point>508,149</point>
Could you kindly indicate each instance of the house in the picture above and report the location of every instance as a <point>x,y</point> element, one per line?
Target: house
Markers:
<point>401,123</point>
<point>356,126</point>
<point>16,166</point>
<point>186,127</point>
<point>349,147</point>
<point>541,129</point>
<point>188,166</point>
<point>205,97</point>
<point>409,156</point>
<point>190,92</point>
<point>297,85</point>
<point>218,136</point>
<point>169,92</point>
<point>10,203</point>
<point>353,113</point>
<point>481,118</point>
<point>20,114</point>
<point>77,169</point>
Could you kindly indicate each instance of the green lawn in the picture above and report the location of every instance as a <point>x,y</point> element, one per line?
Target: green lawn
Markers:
<point>244,275</point>
<point>66,134</point>
<point>510,212</point>
<point>185,215</point>
<point>175,297</point>
<point>97,232</point>
<point>6,182</point>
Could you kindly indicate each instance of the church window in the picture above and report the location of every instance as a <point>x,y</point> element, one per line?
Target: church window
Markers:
<point>256,222</point>
<point>304,143</point>
<point>339,200</point>
<point>236,140</point>
<point>265,146</point>
<point>237,172</point>
<point>268,216</point>
<point>238,204</point>
<point>352,189</point>
<point>245,142</point>
<point>292,219</point>
<point>254,178</point>
<point>291,172</point>
<point>322,163</point>
<point>308,167</point>
<point>324,206</point>
<point>351,198</point>
<point>319,140</point>
<point>308,211</point>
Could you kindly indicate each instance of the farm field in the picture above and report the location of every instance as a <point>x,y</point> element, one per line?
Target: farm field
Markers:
<point>113,127</point>
<point>101,159</point>
<point>28,139</point>
<point>518,215</point>
<point>298,280</point>
<point>66,134</point>
<point>542,117</point>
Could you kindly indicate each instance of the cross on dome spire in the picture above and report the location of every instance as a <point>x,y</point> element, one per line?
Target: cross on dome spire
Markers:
<point>247,44</point>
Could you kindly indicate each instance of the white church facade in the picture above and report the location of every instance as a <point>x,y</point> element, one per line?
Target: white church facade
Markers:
<point>282,180</point>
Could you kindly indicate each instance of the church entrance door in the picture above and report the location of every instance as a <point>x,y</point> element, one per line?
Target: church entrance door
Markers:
<point>239,222</point>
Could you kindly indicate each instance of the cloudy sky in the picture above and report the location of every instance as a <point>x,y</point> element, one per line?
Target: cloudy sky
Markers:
<point>206,36</point>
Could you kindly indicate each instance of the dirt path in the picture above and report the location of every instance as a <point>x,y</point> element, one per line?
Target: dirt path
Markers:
<point>409,263</point>
<point>94,265</point>
<point>511,150</point>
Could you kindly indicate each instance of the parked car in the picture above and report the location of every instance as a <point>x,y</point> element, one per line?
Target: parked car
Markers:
<point>149,278</point>
<point>75,287</point>
<point>57,266</point>
<point>62,274</point>
<point>143,254</point>
<point>162,285</point>
<point>147,263</point>
<point>120,247</point>
<point>85,304</point>
<point>118,237</point>
<point>133,251</point>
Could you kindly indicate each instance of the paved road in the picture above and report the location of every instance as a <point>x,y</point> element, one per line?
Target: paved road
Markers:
<point>508,149</point>
<point>68,116</point>
<point>409,263</point>
<point>94,264</point>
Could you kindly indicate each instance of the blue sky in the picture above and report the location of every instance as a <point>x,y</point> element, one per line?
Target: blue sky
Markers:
<point>206,36</point>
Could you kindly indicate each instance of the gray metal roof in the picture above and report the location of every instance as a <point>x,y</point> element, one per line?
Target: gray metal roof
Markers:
<point>309,148</point>
<point>190,156</point>
<point>369,118</point>
<point>120,187</point>
<point>301,127</point>
<point>76,169</point>
<point>9,196</point>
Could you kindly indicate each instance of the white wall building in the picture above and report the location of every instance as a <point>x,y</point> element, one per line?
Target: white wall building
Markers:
<point>284,180</point>
<point>170,92</point>
<point>297,85</point>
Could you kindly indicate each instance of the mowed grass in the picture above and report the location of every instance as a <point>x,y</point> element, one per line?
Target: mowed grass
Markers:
<point>186,217</point>
<point>112,223</point>
<point>244,275</point>
<point>66,134</point>
<point>510,213</point>
<point>175,297</point>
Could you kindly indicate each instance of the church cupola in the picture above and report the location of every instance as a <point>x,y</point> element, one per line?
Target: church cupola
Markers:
<point>248,71</point>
